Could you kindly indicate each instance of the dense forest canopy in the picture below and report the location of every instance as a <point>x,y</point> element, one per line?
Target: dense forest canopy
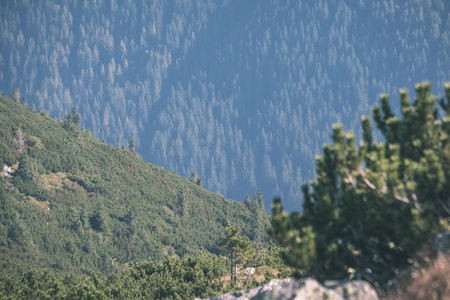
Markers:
<point>241,93</point>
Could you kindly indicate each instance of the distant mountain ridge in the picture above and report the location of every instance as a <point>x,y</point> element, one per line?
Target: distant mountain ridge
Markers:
<point>77,204</point>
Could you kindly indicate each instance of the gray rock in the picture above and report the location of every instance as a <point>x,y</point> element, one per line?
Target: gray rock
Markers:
<point>280,289</point>
<point>442,243</point>
<point>356,289</point>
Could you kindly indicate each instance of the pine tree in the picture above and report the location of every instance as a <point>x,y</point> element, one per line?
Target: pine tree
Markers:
<point>132,146</point>
<point>256,207</point>
<point>72,120</point>
<point>24,101</point>
<point>371,207</point>
<point>235,247</point>
<point>193,177</point>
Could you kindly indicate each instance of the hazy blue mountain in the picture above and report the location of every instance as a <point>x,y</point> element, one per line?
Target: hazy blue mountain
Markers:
<point>243,93</point>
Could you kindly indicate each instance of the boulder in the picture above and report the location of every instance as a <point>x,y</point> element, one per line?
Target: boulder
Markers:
<point>356,289</point>
<point>307,288</point>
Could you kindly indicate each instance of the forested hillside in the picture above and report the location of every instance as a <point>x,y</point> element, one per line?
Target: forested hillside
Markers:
<point>241,92</point>
<point>73,203</point>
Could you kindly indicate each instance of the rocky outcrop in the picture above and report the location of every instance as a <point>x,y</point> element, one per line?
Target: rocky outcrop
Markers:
<point>356,289</point>
<point>278,289</point>
<point>7,171</point>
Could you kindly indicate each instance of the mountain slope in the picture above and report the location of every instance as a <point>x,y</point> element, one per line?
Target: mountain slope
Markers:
<point>244,93</point>
<point>75,202</point>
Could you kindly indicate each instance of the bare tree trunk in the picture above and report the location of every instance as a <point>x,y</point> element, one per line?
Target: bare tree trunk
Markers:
<point>231,267</point>
<point>15,95</point>
<point>20,140</point>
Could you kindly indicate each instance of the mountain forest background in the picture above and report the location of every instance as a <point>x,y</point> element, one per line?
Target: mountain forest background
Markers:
<point>243,93</point>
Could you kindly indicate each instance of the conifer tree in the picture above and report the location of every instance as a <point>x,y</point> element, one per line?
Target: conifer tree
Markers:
<point>132,146</point>
<point>193,177</point>
<point>256,207</point>
<point>371,208</point>
<point>235,247</point>
<point>199,182</point>
<point>72,120</point>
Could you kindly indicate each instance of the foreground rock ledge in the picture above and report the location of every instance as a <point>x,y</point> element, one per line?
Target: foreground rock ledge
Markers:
<point>304,289</point>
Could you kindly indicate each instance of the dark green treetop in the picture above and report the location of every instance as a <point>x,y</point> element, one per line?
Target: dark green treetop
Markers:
<point>132,146</point>
<point>235,246</point>
<point>72,120</point>
<point>371,207</point>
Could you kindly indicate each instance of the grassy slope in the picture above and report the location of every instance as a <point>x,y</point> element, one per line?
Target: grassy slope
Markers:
<point>86,205</point>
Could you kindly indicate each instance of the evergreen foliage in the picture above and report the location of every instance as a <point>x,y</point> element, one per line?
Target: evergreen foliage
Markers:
<point>370,208</point>
<point>256,206</point>
<point>72,120</point>
<point>132,146</point>
<point>236,248</point>
<point>79,205</point>
<point>171,278</point>
<point>196,180</point>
